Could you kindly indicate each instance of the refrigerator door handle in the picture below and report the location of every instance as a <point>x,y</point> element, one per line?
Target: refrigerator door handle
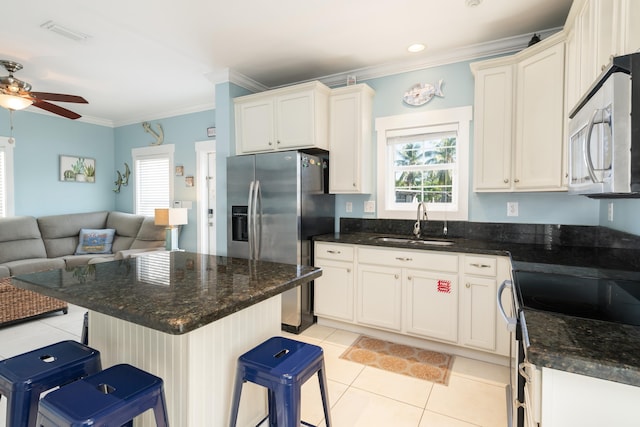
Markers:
<point>257,220</point>
<point>250,220</point>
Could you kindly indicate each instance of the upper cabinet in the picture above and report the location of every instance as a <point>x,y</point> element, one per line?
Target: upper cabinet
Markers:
<point>597,30</point>
<point>350,123</point>
<point>283,119</point>
<point>519,120</point>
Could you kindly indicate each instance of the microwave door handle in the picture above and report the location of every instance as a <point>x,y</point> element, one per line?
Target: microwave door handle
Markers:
<point>511,321</point>
<point>250,220</point>
<point>257,221</point>
<point>587,147</point>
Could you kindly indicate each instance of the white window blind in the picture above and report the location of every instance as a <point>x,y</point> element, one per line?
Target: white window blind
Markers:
<point>6,177</point>
<point>3,184</point>
<point>152,175</point>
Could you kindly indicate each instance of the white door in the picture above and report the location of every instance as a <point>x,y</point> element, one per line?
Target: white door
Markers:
<point>211,199</point>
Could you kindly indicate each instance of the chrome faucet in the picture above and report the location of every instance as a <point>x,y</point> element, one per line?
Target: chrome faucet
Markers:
<point>416,227</point>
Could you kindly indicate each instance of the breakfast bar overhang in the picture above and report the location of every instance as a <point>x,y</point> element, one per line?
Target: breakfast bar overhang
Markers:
<point>183,316</point>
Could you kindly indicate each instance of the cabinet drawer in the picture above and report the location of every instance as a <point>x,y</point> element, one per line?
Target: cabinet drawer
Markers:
<point>480,266</point>
<point>424,260</point>
<point>334,251</point>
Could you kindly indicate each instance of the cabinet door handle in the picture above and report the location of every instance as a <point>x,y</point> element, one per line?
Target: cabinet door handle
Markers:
<point>348,270</point>
<point>395,276</point>
<point>334,252</point>
<point>516,180</point>
<point>278,142</point>
<point>476,264</point>
<point>270,143</point>
<point>403,259</point>
<point>506,180</point>
<point>409,278</point>
<point>468,285</point>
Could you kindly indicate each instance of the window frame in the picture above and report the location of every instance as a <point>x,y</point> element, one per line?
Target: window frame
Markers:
<point>153,152</point>
<point>415,123</point>
<point>7,180</point>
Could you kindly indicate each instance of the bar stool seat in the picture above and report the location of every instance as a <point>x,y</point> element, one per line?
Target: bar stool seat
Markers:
<point>24,377</point>
<point>282,365</point>
<point>112,397</point>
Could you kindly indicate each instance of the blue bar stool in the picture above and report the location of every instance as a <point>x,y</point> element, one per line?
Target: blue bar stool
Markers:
<point>24,377</point>
<point>282,366</point>
<point>112,397</point>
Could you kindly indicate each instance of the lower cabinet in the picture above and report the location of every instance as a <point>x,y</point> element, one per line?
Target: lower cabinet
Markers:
<point>333,291</point>
<point>379,296</point>
<point>437,295</point>
<point>432,304</point>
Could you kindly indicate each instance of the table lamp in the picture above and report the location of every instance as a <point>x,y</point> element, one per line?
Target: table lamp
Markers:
<point>171,218</point>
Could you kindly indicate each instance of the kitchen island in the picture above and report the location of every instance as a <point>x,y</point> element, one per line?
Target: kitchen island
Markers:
<point>182,316</point>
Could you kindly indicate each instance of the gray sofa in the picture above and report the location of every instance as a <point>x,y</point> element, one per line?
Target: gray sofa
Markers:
<point>29,244</point>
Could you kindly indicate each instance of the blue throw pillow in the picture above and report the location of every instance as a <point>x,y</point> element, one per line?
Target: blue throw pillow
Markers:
<point>95,241</point>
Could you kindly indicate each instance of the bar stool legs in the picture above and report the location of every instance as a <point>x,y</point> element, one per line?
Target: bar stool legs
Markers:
<point>282,366</point>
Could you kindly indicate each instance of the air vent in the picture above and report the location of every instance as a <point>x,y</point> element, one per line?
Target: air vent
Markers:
<point>65,32</point>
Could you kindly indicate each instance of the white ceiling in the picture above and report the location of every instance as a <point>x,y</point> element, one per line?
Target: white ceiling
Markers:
<point>155,58</point>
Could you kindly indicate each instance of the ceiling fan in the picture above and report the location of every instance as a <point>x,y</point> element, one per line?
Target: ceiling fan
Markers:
<point>16,94</point>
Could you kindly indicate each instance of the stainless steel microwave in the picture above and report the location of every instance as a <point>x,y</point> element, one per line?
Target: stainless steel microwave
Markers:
<point>604,137</point>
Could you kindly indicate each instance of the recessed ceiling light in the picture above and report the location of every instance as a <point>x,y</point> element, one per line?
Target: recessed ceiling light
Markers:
<point>416,47</point>
<point>472,3</point>
<point>64,31</point>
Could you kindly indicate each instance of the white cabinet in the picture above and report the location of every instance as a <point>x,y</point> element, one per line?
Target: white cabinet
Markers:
<point>416,293</point>
<point>432,304</point>
<point>379,296</point>
<point>283,119</point>
<point>597,30</point>
<point>519,127</point>
<point>333,291</point>
<point>350,144</point>
<point>480,326</point>
<point>427,281</point>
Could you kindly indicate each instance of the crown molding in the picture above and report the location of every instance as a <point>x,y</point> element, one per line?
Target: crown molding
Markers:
<point>166,114</point>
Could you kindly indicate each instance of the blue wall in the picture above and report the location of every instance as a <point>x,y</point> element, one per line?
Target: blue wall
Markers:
<point>40,140</point>
<point>181,131</point>
<point>544,207</point>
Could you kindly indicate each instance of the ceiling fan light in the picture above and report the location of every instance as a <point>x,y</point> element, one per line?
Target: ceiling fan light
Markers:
<point>14,102</point>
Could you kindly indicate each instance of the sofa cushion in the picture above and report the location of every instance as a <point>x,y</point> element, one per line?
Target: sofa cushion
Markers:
<point>60,232</point>
<point>24,266</point>
<point>126,226</point>
<point>4,271</point>
<point>93,241</point>
<point>150,235</point>
<point>72,261</point>
<point>20,239</point>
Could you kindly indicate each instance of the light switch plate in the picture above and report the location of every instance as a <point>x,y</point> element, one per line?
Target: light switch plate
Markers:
<point>349,207</point>
<point>370,206</point>
<point>512,208</point>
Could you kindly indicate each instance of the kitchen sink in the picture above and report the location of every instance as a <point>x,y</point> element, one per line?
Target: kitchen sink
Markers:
<point>434,242</point>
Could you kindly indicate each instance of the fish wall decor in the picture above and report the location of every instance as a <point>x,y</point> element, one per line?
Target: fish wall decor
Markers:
<point>422,93</point>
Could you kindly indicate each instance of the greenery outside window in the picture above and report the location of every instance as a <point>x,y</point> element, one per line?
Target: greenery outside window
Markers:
<point>423,157</point>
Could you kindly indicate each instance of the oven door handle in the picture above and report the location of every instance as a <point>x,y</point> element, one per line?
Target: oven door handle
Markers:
<point>510,321</point>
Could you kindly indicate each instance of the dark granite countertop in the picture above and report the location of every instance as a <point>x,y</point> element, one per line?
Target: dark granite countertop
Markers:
<point>173,292</point>
<point>600,349</point>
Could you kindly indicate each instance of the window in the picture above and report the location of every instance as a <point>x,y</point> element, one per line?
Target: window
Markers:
<point>6,178</point>
<point>153,178</point>
<point>424,157</point>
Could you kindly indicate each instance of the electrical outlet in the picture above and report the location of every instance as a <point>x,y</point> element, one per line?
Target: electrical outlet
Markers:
<point>512,208</point>
<point>369,206</point>
<point>610,212</point>
<point>349,207</point>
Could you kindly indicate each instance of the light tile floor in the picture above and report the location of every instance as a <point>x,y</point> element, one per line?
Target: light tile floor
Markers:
<point>359,395</point>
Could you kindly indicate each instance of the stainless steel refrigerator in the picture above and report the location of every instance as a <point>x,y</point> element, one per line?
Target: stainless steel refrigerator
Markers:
<point>275,203</point>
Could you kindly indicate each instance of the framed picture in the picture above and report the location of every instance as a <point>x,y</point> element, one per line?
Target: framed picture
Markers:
<point>188,180</point>
<point>179,170</point>
<point>77,169</point>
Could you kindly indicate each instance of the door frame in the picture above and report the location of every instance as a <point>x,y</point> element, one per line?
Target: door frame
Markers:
<point>203,149</point>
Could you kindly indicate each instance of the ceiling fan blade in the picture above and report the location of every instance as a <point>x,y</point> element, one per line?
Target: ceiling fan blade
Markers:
<point>56,109</point>
<point>59,97</point>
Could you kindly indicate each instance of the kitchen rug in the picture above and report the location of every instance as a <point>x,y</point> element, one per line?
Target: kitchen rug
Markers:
<point>402,359</point>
